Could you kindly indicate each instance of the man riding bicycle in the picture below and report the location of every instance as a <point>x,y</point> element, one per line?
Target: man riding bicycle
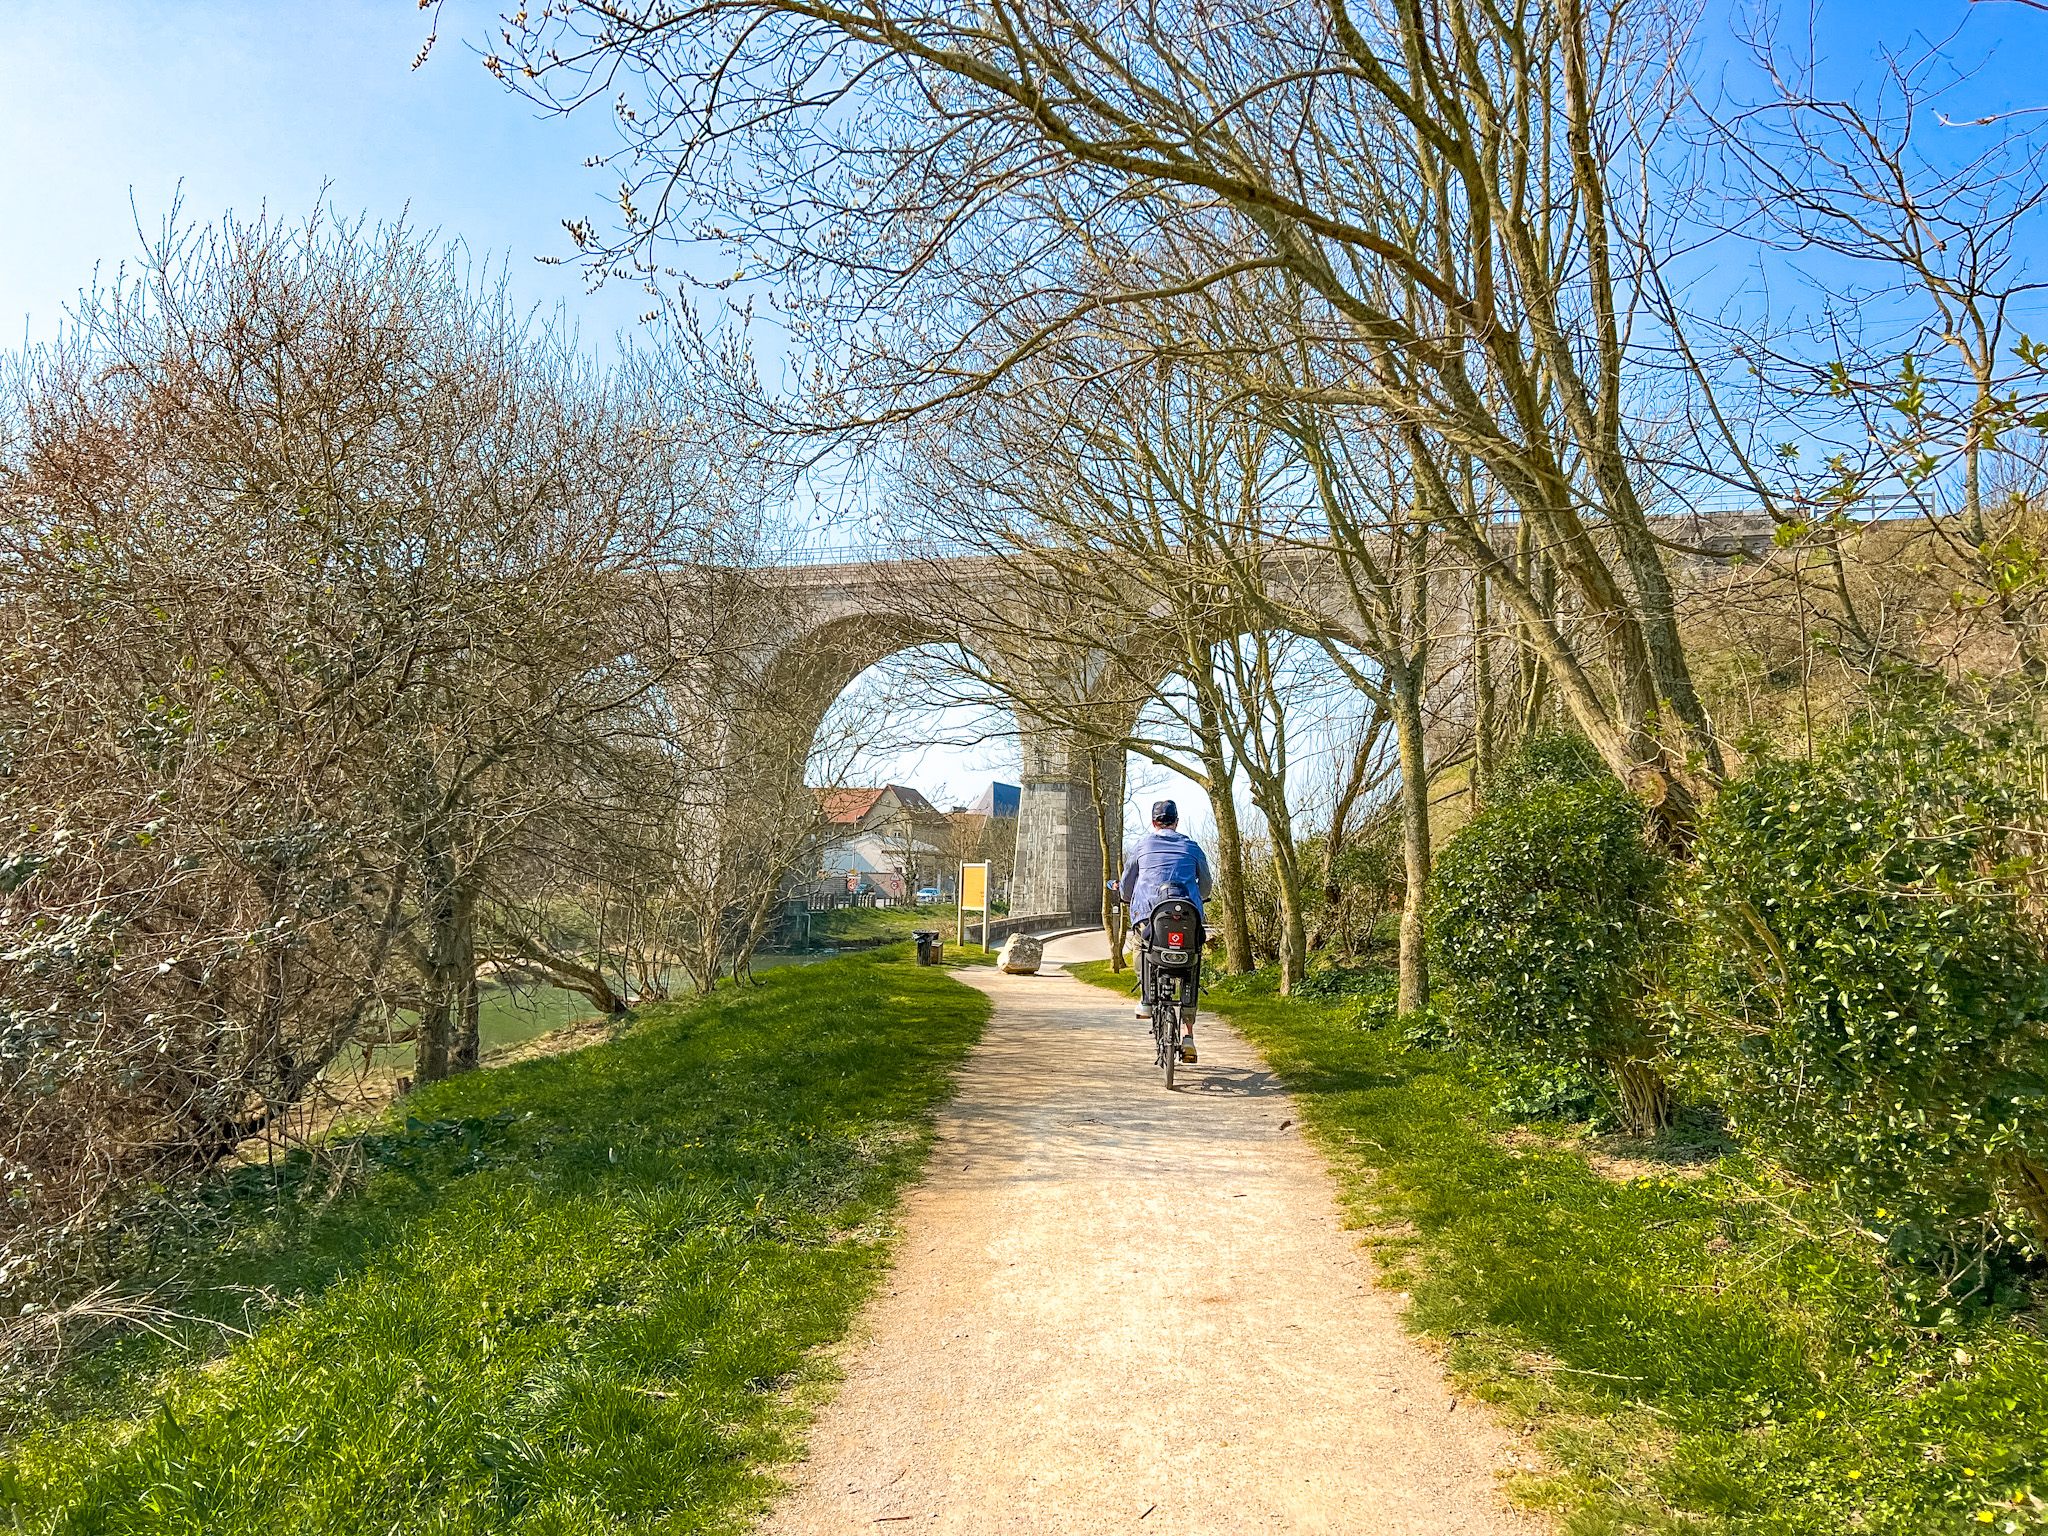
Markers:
<point>1166,863</point>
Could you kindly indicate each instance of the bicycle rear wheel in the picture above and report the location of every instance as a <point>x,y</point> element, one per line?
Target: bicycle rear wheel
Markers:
<point>1168,1003</point>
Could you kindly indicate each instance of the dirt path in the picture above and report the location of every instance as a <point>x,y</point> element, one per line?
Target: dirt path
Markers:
<point>1118,1308</point>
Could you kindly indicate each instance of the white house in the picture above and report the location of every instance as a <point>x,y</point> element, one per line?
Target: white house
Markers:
<point>884,837</point>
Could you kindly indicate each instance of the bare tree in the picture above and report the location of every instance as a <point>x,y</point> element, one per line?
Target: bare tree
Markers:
<point>327,584</point>
<point>1906,381</point>
<point>1454,188</point>
<point>1134,522</point>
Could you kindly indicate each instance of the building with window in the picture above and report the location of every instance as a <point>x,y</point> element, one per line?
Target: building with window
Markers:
<point>885,838</point>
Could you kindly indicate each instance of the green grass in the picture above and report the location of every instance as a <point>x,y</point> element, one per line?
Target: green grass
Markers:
<point>889,922</point>
<point>578,1294</point>
<point>1691,1354</point>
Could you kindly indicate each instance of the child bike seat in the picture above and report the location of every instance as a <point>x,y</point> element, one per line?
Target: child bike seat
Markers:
<point>1176,935</point>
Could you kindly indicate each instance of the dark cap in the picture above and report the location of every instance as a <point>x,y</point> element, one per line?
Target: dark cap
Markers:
<point>1165,812</point>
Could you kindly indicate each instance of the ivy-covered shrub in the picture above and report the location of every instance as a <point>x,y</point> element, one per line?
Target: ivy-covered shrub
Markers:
<point>1869,986</point>
<point>1550,760</point>
<point>1547,916</point>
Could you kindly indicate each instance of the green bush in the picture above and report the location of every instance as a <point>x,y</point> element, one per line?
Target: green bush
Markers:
<point>1869,988</point>
<point>1327,981</point>
<point>1367,881</point>
<point>1546,915</point>
<point>1551,760</point>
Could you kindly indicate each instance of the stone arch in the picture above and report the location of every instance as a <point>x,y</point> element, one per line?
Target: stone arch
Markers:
<point>845,620</point>
<point>815,664</point>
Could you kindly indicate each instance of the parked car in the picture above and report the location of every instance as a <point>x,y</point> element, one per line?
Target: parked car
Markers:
<point>928,896</point>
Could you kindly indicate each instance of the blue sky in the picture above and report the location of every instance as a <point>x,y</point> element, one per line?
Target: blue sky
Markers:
<point>244,103</point>
<point>1848,33</point>
<point>253,103</point>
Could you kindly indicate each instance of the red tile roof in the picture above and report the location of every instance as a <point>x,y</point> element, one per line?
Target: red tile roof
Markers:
<point>847,807</point>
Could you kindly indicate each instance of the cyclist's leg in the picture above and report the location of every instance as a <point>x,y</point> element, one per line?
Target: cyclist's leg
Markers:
<point>1191,989</point>
<point>1148,981</point>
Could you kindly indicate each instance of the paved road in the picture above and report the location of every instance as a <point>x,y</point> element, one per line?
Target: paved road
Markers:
<point>1121,1309</point>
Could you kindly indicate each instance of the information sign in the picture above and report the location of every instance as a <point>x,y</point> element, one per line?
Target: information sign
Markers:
<point>974,895</point>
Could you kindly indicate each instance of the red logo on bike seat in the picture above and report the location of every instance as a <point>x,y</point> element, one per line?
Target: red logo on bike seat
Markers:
<point>1176,941</point>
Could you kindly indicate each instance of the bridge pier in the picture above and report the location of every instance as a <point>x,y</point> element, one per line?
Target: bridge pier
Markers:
<point>1058,871</point>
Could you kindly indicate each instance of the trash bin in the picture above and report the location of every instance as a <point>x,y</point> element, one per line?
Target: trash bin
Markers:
<point>929,949</point>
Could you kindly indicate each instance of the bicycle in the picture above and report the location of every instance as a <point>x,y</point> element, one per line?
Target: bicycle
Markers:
<point>1170,956</point>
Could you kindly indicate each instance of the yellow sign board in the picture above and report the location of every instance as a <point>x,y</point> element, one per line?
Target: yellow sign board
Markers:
<point>973,897</point>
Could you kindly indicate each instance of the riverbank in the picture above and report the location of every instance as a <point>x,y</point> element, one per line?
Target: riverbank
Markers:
<point>576,1294</point>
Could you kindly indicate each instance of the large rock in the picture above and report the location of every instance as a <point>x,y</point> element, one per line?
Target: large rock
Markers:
<point>1020,954</point>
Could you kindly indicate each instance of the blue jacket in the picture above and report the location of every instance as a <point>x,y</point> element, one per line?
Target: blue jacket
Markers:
<point>1163,858</point>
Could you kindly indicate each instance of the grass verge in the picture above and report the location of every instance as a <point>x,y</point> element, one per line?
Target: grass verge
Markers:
<point>577,1294</point>
<point>1694,1345</point>
<point>890,922</point>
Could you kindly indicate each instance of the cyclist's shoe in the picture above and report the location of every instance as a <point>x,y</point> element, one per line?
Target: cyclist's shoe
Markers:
<point>1188,1058</point>
<point>1144,1013</point>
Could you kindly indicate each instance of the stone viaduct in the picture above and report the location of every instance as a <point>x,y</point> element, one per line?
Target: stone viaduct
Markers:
<point>845,615</point>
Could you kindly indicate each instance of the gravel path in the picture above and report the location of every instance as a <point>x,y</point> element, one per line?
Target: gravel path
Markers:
<point>1117,1308</point>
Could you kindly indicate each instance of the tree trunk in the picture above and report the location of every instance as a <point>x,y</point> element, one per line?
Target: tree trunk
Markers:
<point>703,954</point>
<point>1664,648</point>
<point>1229,870</point>
<point>1528,665</point>
<point>468,1031</point>
<point>1337,839</point>
<point>431,1038</point>
<point>2029,1184</point>
<point>1482,692</point>
<point>1263,760</point>
<point>1404,684</point>
<point>448,1035</point>
<point>1624,737</point>
<point>1230,885</point>
<point>1645,1097</point>
<point>1115,922</point>
<point>569,975</point>
<point>1415,852</point>
<point>1540,711</point>
<point>750,938</point>
<point>1293,929</point>
<point>450,1002</point>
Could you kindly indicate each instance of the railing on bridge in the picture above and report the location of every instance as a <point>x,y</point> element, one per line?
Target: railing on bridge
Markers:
<point>1718,526</point>
<point>865,555</point>
<point>874,554</point>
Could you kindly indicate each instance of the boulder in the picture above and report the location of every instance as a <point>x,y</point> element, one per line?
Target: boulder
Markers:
<point>1020,954</point>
